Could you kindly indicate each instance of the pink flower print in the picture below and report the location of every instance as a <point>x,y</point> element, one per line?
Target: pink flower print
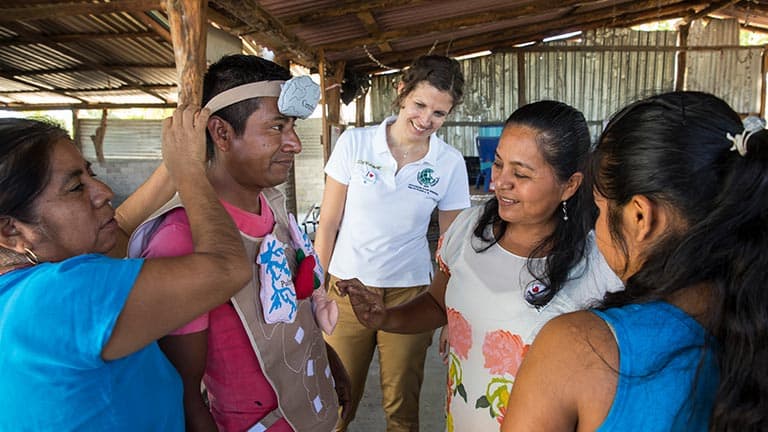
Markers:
<point>459,333</point>
<point>503,352</point>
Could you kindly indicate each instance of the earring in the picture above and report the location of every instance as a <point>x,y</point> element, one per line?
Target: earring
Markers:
<point>31,257</point>
<point>565,212</point>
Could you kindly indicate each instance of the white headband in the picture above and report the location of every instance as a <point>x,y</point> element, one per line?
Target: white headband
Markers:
<point>297,97</point>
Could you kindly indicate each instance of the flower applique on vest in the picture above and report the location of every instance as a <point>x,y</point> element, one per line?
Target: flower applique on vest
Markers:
<point>310,277</point>
<point>277,294</point>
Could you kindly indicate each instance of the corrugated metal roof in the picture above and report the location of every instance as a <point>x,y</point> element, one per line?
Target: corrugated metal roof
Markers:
<point>65,45</point>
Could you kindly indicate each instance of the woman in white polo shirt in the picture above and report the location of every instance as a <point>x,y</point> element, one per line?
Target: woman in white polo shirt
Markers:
<point>383,184</point>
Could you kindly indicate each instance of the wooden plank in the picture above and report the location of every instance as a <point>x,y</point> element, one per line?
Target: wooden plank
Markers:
<point>58,10</point>
<point>187,19</point>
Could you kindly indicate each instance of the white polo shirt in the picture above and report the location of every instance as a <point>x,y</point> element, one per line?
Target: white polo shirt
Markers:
<point>383,233</point>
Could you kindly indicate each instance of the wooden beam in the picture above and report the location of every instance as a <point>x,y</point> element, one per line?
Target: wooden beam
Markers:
<point>271,32</point>
<point>77,69</point>
<point>712,8</point>
<point>58,10</point>
<point>76,37</point>
<point>71,52</point>
<point>66,91</point>
<point>64,106</point>
<point>443,25</point>
<point>372,27</point>
<point>188,23</point>
<point>153,25</point>
<point>37,87</point>
<point>348,7</point>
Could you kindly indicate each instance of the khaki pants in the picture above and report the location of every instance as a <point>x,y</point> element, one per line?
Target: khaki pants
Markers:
<point>401,359</point>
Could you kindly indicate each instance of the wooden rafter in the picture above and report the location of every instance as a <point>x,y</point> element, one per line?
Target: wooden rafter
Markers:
<point>12,12</point>
<point>346,8</point>
<point>153,25</point>
<point>38,88</point>
<point>451,24</point>
<point>271,32</point>
<point>75,37</point>
<point>84,59</point>
<point>83,68</point>
<point>712,8</point>
<point>372,27</point>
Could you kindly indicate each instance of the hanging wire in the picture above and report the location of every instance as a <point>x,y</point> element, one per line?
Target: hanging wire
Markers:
<point>448,48</point>
<point>375,60</point>
<point>433,48</point>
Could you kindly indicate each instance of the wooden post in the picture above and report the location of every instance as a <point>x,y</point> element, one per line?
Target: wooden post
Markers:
<point>290,183</point>
<point>187,19</point>
<point>521,96</point>
<point>76,130</point>
<point>763,82</point>
<point>682,56</point>
<point>326,125</point>
<point>98,137</point>
<point>360,110</point>
<point>333,95</point>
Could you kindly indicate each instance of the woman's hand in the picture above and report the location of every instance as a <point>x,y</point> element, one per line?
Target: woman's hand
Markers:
<point>184,141</point>
<point>367,304</point>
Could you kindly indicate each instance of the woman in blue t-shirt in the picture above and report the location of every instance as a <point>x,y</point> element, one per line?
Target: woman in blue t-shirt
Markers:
<point>682,190</point>
<point>78,328</point>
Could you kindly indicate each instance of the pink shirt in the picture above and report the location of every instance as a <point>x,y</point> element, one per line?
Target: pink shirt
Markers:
<point>238,391</point>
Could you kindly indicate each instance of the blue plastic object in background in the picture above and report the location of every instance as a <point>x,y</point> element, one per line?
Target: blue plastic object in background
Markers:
<point>486,149</point>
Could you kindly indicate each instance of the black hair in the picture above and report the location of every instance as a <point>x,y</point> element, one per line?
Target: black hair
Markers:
<point>674,149</point>
<point>563,139</point>
<point>232,71</point>
<point>442,73</point>
<point>26,147</point>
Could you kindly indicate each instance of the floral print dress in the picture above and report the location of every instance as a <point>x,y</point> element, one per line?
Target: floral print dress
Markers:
<point>491,325</point>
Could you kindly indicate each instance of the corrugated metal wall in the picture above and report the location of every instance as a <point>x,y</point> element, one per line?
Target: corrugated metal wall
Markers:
<point>732,75</point>
<point>598,82</point>
<point>124,139</point>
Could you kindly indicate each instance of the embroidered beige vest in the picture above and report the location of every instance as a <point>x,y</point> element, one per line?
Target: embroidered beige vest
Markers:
<point>292,355</point>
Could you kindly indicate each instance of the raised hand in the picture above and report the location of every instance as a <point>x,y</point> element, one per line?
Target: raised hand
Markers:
<point>367,304</point>
<point>184,141</point>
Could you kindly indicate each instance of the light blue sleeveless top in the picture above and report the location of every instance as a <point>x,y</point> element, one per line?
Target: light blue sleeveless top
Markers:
<point>668,375</point>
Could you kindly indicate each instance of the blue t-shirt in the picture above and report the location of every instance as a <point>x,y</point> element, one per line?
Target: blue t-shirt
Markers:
<point>668,374</point>
<point>55,319</point>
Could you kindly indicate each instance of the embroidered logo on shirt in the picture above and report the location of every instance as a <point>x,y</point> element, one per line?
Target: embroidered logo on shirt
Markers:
<point>368,172</point>
<point>427,177</point>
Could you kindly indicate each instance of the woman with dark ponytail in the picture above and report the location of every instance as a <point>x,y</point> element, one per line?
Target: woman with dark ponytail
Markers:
<point>508,267</point>
<point>682,191</point>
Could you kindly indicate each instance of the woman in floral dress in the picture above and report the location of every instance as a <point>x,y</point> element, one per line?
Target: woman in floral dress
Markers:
<point>508,267</point>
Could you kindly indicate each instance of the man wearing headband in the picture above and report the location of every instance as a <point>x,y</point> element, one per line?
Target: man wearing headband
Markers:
<point>261,356</point>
